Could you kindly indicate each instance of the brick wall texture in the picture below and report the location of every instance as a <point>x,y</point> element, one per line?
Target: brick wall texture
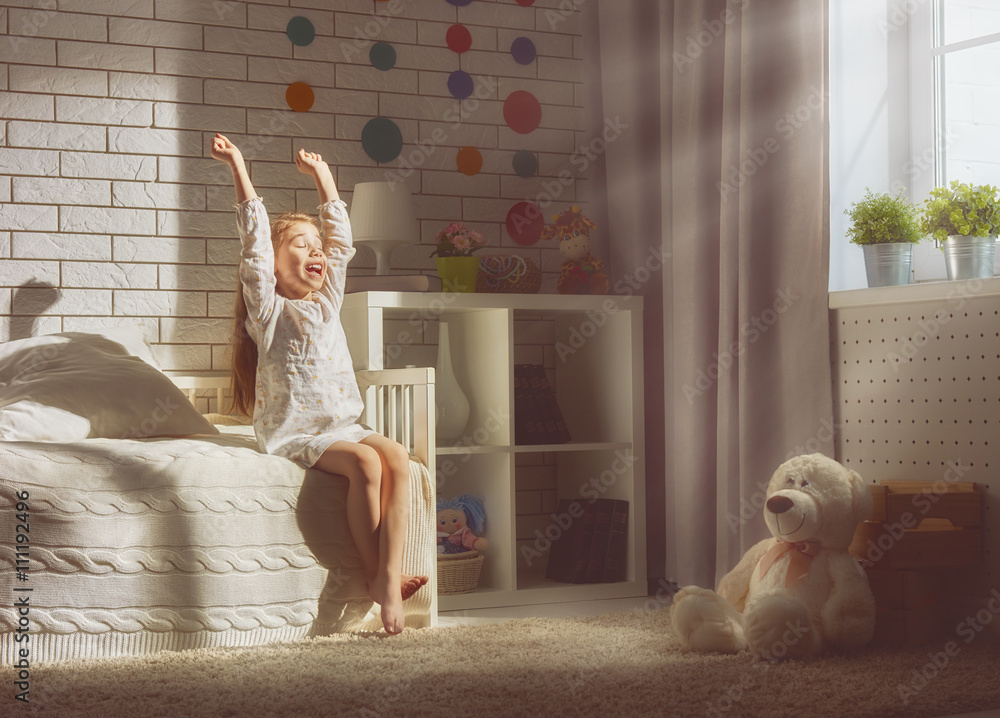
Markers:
<point>112,211</point>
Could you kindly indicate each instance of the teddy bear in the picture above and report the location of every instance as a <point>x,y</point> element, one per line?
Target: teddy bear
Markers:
<point>799,592</point>
<point>459,521</point>
<point>582,272</point>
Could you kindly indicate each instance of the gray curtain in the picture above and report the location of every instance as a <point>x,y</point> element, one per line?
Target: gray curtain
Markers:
<point>722,171</point>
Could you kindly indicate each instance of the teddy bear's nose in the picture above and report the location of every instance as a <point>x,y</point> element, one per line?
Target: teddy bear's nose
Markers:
<point>779,504</point>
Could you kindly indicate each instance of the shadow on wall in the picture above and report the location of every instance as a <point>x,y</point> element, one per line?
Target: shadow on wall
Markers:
<point>29,302</point>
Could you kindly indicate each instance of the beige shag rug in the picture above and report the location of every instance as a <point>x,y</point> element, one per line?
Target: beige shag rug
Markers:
<point>625,664</point>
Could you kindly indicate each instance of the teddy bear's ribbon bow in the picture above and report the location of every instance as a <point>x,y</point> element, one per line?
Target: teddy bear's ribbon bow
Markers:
<point>802,553</point>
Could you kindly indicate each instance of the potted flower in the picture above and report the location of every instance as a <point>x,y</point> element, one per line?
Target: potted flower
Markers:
<point>964,219</point>
<point>455,264</point>
<point>886,227</point>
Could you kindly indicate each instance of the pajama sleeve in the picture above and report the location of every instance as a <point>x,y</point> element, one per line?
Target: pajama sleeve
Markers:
<point>335,229</point>
<point>256,264</point>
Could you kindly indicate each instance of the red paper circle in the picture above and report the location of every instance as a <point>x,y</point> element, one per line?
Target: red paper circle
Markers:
<point>522,112</point>
<point>525,223</point>
<point>459,38</point>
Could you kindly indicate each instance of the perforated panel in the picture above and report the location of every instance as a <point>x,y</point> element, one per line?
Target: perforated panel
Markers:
<point>917,392</point>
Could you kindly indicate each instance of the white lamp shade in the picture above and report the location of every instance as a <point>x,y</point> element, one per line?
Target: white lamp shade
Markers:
<point>382,216</point>
<point>383,211</point>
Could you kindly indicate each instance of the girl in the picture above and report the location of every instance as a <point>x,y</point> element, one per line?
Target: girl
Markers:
<point>292,366</point>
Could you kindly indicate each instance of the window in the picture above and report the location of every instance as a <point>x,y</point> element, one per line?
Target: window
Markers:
<point>914,104</point>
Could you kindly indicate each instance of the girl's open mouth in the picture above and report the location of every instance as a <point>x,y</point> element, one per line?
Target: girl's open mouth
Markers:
<point>314,269</point>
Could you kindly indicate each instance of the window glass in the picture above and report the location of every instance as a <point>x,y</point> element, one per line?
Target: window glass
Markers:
<point>968,19</point>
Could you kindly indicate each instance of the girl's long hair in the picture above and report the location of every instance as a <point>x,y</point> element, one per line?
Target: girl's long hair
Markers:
<point>244,361</point>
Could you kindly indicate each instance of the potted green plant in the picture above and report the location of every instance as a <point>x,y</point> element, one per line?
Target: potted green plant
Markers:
<point>964,219</point>
<point>456,266</point>
<point>886,227</point>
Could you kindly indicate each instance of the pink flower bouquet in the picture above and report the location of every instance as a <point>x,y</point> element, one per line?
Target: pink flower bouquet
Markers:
<point>457,240</point>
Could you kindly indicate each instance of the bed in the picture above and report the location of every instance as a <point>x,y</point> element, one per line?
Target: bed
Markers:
<point>130,534</point>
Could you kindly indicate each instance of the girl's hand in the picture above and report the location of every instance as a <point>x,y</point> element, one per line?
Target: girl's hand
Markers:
<point>310,163</point>
<point>225,151</point>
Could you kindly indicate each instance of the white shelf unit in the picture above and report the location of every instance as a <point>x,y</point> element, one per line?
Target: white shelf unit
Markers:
<point>591,348</point>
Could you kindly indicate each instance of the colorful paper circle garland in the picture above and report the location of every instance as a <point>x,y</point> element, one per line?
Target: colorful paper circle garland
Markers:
<point>382,56</point>
<point>299,96</point>
<point>525,223</point>
<point>300,31</point>
<point>523,50</point>
<point>469,161</point>
<point>522,112</point>
<point>382,140</point>
<point>525,164</point>
<point>460,84</point>
<point>459,38</point>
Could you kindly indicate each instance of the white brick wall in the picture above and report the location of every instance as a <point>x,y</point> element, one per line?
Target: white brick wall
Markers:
<point>112,211</point>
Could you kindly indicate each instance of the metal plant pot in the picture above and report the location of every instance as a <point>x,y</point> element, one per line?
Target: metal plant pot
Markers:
<point>969,257</point>
<point>888,264</point>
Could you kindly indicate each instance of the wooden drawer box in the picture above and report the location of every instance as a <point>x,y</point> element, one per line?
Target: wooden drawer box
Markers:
<point>921,525</point>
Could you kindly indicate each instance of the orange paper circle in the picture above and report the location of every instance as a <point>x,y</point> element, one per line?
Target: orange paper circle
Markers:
<point>469,161</point>
<point>299,96</point>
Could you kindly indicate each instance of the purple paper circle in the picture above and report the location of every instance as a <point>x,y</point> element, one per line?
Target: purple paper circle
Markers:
<point>460,84</point>
<point>523,50</point>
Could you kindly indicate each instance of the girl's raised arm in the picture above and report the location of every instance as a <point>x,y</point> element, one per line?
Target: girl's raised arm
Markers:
<point>225,151</point>
<point>310,163</point>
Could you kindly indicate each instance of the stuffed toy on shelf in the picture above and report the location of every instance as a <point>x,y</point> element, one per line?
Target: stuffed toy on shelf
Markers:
<point>582,272</point>
<point>460,523</point>
<point>800,592</point>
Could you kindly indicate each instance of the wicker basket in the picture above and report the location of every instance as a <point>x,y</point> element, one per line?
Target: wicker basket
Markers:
<point>507,274</point>
<point>458,572</point>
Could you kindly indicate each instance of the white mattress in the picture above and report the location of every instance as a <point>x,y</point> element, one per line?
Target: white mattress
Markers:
<point>144,545</point>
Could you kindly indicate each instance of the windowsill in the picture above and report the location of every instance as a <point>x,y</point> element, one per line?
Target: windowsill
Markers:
<point>921,292</point>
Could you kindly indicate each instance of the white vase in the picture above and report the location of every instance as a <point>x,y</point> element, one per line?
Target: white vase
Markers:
<point>452,404</point>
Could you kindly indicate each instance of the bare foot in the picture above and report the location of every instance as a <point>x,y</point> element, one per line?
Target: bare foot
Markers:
<point>387,592</point>
<point>411,584</point>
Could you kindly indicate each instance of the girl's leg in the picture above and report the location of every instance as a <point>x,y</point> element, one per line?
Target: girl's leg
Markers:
<point>391,587</point>
<point>377,510</point>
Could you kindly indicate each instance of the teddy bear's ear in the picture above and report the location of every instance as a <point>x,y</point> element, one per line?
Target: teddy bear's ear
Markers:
<point>861,495</point>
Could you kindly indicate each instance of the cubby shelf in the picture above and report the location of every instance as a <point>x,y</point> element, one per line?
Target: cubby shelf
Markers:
<point>591,348</point>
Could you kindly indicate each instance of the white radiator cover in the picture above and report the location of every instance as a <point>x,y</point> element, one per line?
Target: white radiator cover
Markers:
<point>916,388</point>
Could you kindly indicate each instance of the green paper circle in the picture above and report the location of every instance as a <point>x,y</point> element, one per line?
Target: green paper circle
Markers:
<point>300,31</point>
<point>382,139</point>
<point>382,56</point>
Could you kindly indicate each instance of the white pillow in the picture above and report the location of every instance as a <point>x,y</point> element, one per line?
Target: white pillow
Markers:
<point>44,381</point>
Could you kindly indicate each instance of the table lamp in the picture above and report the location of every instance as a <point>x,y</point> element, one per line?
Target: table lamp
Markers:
<point>382,217</point>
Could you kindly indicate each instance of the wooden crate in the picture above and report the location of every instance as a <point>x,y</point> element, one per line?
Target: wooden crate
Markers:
<point>905,590</point>
<point>908,627</point>
<point>921,525</point>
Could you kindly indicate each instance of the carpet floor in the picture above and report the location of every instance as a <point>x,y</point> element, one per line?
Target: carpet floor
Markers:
<point>623,664</point>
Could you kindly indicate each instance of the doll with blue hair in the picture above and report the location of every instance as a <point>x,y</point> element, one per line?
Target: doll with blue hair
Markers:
<point>460,520</point>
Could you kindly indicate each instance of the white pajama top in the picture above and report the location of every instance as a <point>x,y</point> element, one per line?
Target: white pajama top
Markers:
<point>307,397</point>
